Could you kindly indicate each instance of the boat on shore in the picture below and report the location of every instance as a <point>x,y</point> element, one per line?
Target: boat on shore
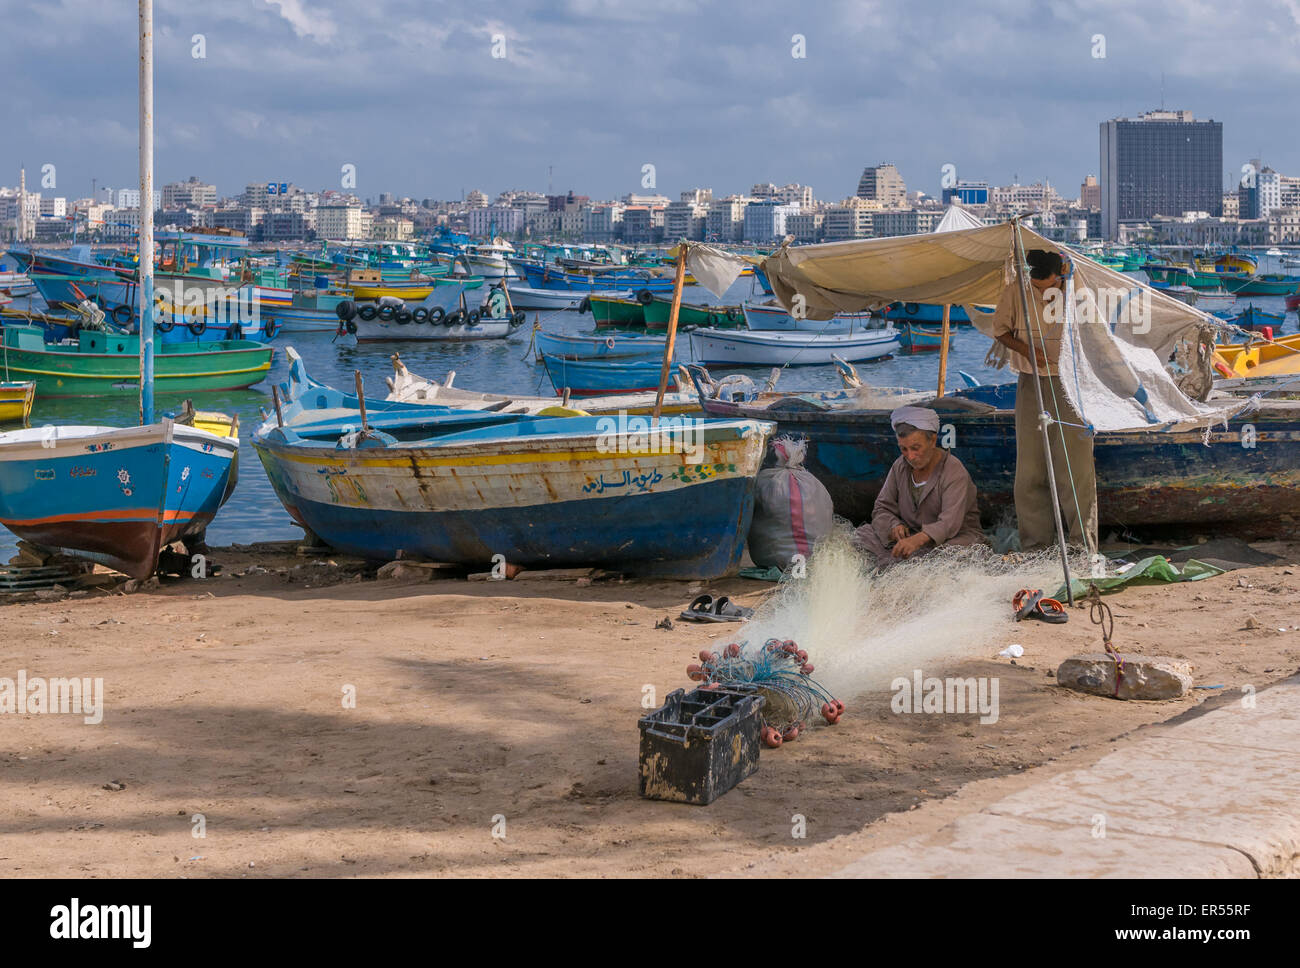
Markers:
<point>477,488</point>
<point>741,348</point>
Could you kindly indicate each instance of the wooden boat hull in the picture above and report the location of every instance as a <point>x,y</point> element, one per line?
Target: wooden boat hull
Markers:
<point>378,331</point>
<point>584,378</point>
<point>1142,478</point>
<point>522,297</point>
<point>775,319</point>
<point>102,364</point>
<point>610,311</point>
<point>625,347</point>
<point>721,348</point>
<point>115,496</point>
<point>16,401</point>
<point>659,309</point>
<point>924,313</point>
<point>1279,357</point>
<point>913,338</point>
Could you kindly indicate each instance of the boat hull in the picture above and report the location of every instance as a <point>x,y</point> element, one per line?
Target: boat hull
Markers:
<point>378,331</point>
<point>586,378</point>
<point>540,502</point>
<point>16,401</point>
<point>720,348</point>
<point>115,496</point>
<point>776,319</point>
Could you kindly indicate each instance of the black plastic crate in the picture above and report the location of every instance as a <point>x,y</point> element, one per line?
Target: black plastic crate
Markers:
<point>698,745</point>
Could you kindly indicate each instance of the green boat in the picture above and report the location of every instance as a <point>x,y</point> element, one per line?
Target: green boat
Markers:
<point>103,364</point>
<point>616,312</point>
<point>1270,284</point>
<point>719,317</point>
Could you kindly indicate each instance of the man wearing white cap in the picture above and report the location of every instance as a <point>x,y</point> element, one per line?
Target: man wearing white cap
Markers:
<point>928,498</point>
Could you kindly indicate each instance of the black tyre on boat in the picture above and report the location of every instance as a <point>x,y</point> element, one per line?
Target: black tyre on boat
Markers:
<point>645,297</point>
<point>437,315</point>
<point>420,315</point>
<point>368,312</point>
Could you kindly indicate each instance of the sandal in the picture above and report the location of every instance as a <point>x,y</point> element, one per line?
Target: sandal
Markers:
<point>1051,611</point>
<point>1026,602</point>
<point>699,610</point>
<point>708,609</point>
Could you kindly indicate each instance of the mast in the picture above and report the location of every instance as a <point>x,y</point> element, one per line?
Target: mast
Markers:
<point>146,212</point>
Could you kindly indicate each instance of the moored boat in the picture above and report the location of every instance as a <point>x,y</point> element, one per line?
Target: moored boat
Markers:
<point>624,346</point>
<point>915,338</point>
<point>523,297</point>
<point>659,309</point>
<point>924,313</point>
<point>16,401</point>
<point>588,378</point>
<point>770,317</point>
<point>723,347</point>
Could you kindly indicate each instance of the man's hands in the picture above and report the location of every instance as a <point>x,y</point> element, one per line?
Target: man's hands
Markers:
<point>906,547</point>
<point>898,532</point>
<point>1021,347</point>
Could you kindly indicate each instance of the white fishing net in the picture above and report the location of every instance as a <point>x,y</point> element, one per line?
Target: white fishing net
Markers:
<point>861,631</point>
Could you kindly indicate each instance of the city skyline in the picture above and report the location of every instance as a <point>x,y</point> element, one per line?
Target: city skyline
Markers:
<point>587,93</point>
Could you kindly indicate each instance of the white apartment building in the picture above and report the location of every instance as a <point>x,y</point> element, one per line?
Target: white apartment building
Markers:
<point>341,222</point>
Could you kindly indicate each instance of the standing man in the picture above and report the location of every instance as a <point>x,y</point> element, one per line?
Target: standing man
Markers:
<point>1071,445</point>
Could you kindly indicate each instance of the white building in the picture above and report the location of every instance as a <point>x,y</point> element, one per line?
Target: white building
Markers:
<point>341,222</point>
<point>498,219</point>
<point>765,220</point>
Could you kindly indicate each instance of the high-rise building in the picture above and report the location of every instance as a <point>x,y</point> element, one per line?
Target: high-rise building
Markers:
<point>967,193</point>
<point>1090,193</point>
<point>191,193</point>
<point>884,184</point>
<point>1163,163</point>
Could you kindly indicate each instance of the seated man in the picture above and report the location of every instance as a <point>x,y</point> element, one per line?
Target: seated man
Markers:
<point>928,498</point>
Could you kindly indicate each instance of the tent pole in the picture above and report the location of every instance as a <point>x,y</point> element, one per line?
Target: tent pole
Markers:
<point>943,351</point>
<point>1042,424</point>
<point>670,342</point>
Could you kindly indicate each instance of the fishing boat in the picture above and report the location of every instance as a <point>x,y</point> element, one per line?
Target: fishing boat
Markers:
<point>477,488</point>
<point>1291,260</point>
<point>103,364</point>
<point>1252,317</point>
<point>924,313</point>
<point>450,329</point>
<point>16,284</point>
<point>1293,302</point>
<point>1272,284</point>
<point>16,401</point>
<point>407,387</point>
<point>616,311</point>
<point>770,317</point>
<point>624,346</point>
<point>1214,302</point>
<point>118,495</point>
<point>1278,357</point>
<point>526,298</point>
<point>720,347</point>
<point>915,338</point>
<point>591,280</point>
<point>491,259</point>
<point>1184,294</point>
<point>689,315</point>
<point>590,378</point>
<point>1143,478</point>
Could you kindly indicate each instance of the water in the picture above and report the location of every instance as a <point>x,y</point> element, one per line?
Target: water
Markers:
<point>505,366</point>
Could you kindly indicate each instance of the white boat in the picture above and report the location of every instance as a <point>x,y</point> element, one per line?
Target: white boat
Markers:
<point>1291,260</point>
<point>771,316</point>
<point>1213,302</point>
<point>521,297</point>
<point>720,347</point>
<point>16,284</point>
<point>1275,251</point>
<point>489,260</point>
<point>380,331</point>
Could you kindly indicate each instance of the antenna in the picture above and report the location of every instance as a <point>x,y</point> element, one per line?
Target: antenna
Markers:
<point>1162,90</point>
<point>550,179</point>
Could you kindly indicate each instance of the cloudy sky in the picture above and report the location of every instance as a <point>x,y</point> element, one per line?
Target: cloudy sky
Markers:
<point>410,92</point>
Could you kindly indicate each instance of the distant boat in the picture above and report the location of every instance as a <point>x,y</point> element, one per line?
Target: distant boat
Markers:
<point>1273,284</point>
<point>1184,294</point>
<point>722,348</point>
<point>1252,317</point>
<point>553,277</point>
<point>104,364</point>
<point>588,378</point>
<point>479,488</point>
<point>773,318</point>
<point>1275,251</point>
<point>915,338</point>
<point>490,260</point>
<point>1212,302</point>
<point>659,309</point>
<point>16,401</point>
<point>1291,260</point>
<point>526,298</point>
<point>1293,301</point>
<point>924,313</point>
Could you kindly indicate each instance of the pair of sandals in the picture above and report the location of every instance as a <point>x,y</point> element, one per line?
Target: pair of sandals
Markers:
<point>1031,604</point>
<point>706,608</point>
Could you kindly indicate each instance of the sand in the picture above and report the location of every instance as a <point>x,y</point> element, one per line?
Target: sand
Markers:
<point>510,708</point>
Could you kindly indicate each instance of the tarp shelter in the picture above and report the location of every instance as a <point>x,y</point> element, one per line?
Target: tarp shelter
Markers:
<point>1166,347</point>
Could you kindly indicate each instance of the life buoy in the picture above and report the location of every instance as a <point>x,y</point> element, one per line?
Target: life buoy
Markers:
<point>367,312</point>
<point>420,314</point>
<point>121,315</point>
<point>270,328</point>
<point>645,297</point>
<point>198,326</point>
<point>386,313</point>
<point>437,314</point>
<point>609,342</point>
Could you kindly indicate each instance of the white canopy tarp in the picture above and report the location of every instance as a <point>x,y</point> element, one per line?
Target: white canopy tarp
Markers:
<point>956,219</point>
<point>971,267</point>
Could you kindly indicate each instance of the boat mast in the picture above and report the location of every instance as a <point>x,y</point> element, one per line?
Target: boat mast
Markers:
<point>146,212</point>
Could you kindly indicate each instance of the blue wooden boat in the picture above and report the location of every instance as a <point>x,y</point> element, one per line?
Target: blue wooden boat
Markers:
<point>624,347</point>
<point>552,277</point>
<point>465,487</point>
<point>589,378</point>
<point>924,313</point>
<point>914,338</point>
<point>1252,317</point>
<point>1143,477</point>
<point>115,495</point>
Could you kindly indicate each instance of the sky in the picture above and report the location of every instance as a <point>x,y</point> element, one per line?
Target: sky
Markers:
<point>432,99</point>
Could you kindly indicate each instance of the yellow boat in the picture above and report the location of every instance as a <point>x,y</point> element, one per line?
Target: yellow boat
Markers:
<point>16,401</point>
<point>1279,357</point>
<point>413,293</point>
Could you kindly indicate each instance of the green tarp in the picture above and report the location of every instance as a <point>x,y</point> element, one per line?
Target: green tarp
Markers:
<point>1149,571</point>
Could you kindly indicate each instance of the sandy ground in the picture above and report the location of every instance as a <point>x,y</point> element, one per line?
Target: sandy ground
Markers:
<point>483,702</point>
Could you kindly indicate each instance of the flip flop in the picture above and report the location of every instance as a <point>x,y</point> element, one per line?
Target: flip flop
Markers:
<point>725,610</point>
<point>1051,611</point>
<point>700,610</point>
<point>1026,602</point>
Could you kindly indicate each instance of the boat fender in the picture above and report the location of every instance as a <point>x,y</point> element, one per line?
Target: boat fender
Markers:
<point>345,310</point>
<point>437,314</point>
<point>402,316</point>
<point>519,318</point>
<point>731,315</point>
<point>198,327</point>
<point>351,324</point>
<point>270,328</point>
<point>367,312</point>
<point>609,342</point>
<point>585,304</point>
<point>455,317</point>
<point>121,315</point>
<point>420,315</point>
<point>645,297</point>
<point>911,308</point>
<point>387,312</point>
<point>164,325</point>
<point>713,319</point>
<point>473,317</point>
<point>233,331</point>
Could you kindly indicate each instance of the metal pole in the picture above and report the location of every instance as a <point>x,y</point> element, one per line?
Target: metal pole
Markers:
<point>146,212</point>
<point>1038,391</point>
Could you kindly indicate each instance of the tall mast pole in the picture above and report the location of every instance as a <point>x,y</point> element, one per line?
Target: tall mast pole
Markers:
<point>146,211</point>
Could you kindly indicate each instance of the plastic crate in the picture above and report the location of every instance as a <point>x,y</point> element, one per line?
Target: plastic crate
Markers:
<point>698,745</point>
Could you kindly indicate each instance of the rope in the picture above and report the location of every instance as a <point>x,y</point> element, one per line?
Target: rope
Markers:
<point>1100,614</point>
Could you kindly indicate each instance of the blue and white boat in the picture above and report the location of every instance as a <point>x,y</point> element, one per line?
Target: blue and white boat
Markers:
<point>769,317</point>
<point>924,313</point>
<point>479,488</point>
<point>597,377</point>
<point>725,347</point>
<point>624,347</point>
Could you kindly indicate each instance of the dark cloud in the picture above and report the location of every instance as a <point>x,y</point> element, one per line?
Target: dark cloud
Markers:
<point>708,92</point>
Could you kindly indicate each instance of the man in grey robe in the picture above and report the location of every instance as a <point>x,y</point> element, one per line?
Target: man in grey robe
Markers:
<point>928,499</point>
